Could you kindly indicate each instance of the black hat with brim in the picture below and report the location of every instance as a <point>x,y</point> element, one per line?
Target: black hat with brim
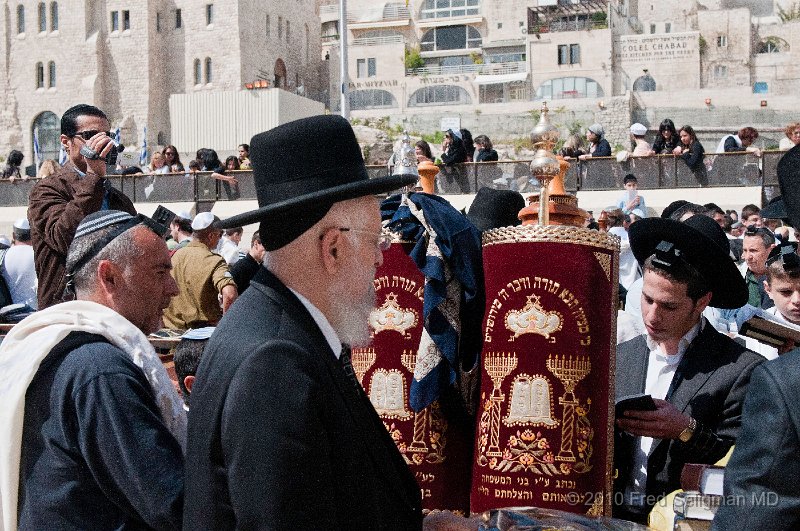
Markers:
<point>775,209</point>
<point>704,245</point>
<point>492,209</point>
<point>300,169</point>
<point>789,179</point>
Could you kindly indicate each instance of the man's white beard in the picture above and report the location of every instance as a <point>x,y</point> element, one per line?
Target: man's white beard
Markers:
<point>350,319</point>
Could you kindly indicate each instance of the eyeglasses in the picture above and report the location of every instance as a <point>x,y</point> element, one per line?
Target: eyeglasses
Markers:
<point>169,153</point>
<point>86,135</point>
<point>384,239</point>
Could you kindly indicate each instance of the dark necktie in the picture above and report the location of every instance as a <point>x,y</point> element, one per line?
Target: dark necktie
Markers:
<point>347,365</point>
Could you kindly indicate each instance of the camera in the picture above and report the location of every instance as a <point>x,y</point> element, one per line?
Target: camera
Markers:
<point>111,158</point>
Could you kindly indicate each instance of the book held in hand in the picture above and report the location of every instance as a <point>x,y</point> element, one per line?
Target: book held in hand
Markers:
<point>770,329</point>
<point>692,504</point>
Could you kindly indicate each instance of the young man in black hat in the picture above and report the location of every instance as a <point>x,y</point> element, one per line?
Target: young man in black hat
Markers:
<point>696,376</point>
<point>282,436</point>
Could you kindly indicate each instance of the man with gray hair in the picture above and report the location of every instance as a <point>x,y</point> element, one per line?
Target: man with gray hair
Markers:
<point>91,427</point>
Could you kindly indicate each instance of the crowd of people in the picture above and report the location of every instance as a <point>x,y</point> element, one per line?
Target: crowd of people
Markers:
<point>279,433</point>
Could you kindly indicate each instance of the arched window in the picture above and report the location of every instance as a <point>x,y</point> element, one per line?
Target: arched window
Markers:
<point>20,18</point>
<point>54,16</point>
<point>371,99</point>
<point>773,45</point>
<point>450,8</point>
<point>569,87</point>
<point>48,128</point>
<point>39,75</point>
<point>51,71</point>
<point>209,77</point>
<point>198,74</point>
<point>307,42</point>
<point>42,17</point>
<point>450,38</point>
<point>280,74</point>
<point>439,95</point>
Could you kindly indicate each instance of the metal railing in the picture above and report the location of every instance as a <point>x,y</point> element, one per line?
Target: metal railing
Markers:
<point>483,68</point>
<point>656,172</point>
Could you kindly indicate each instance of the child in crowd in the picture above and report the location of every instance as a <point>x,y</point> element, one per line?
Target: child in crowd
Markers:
<point>783,282</point>
<point>630,200</point>
<point>187,358</point>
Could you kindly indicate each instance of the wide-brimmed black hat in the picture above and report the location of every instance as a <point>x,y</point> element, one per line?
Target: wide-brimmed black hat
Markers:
<point>492,209</point>
<point>775,209</point>
<point>303,167</point>
<point>789,178</point>
<point>702,244</point>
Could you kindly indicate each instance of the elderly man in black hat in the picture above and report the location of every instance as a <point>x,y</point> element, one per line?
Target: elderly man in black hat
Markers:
<point>696,376</point>
<point>282,436</point>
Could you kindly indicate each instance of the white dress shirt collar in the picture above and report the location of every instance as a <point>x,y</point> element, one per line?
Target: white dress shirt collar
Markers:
<point>323,324</point>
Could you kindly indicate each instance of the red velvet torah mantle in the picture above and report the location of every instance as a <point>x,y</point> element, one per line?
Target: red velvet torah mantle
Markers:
<point>437,448</point>
<point>546,411</point>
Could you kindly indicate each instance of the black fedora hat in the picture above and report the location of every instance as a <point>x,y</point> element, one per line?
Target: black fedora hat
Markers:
<point>492,209</point>
<point>704,245</point>
<point>303,167</point>
<point>789,179</point>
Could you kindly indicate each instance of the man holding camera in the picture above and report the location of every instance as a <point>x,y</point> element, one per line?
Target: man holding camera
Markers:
<point>58,203</point>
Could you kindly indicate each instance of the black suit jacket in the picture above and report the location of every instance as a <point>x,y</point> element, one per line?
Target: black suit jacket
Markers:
<point>715,372</point>
<point>761,479</point>
<point>279,437</point>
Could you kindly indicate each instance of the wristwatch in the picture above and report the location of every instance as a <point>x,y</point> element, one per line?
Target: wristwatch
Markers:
<point>688,432</point>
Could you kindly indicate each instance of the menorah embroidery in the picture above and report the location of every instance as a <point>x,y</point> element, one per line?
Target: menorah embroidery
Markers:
<point>498,367</point>
<point>570,371</point>
<point>418,444</point>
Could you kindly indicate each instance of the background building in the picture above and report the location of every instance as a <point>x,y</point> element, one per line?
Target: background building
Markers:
<point>128,56</point>
<point>490,61</point>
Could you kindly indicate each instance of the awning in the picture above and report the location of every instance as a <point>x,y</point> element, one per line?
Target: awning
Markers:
<point>500,78</point>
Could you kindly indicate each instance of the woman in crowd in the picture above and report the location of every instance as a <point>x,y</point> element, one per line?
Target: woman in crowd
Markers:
<point>598,146</point>
<point>573,147</point>
<point>667,139</point>
<point>485,152</point>
<point>469,145</point>
<point>244,157</point>
<point>173,159</point>
<point>423,152</point>
<point>690,149</point>
<point>453,151</point>
<point>11,170</point>
<point>232,163</point>
<point>792,139</point>
<point>157,164</point>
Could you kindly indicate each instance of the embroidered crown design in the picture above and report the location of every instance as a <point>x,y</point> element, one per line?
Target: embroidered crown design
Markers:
<point>390,316</point>
<point>533,319</point>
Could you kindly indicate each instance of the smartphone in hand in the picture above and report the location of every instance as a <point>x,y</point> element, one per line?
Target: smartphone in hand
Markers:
<point>634,403</point>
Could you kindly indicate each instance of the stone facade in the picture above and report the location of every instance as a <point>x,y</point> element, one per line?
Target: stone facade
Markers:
<point>127,57</point>
<point>581,56</point>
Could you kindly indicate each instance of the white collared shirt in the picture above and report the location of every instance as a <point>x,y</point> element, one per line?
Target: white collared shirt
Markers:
<point>661,368</point>
<point>323,324</point>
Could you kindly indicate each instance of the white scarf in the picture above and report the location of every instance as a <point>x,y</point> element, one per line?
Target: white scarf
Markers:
<point>24,349</point>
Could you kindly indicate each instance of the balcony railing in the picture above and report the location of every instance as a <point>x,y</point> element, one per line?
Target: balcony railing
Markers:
<point>485,69</point>
<point>377,41</point>
<point>565,25</point>
<point>606,173</point>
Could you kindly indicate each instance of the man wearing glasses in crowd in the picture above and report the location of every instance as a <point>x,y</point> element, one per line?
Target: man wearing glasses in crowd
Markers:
<point>58,203</point>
